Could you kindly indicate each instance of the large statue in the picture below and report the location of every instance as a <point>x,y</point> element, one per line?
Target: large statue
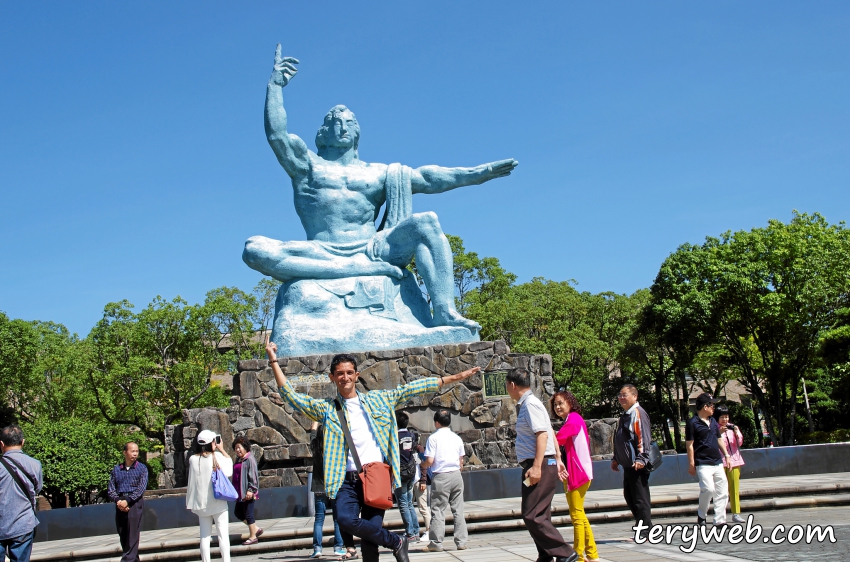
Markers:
<point>346,287</point>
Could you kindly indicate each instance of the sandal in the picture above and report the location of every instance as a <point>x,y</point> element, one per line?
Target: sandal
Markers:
<point>350,555</point>
<point>259,533</point>
<point>249,542</point>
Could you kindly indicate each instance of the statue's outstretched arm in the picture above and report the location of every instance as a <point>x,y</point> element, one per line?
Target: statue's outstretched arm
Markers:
<point>436,179</point>
<point>290,150</point>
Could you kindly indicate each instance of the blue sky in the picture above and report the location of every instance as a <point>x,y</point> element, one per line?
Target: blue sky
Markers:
<point>133,161</point>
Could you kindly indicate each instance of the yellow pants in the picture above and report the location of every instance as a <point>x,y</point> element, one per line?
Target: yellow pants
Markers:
<point>734,476</point>
<point>583,542</point>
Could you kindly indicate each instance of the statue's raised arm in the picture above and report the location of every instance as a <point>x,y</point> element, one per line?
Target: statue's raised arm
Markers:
<point>290,150</point>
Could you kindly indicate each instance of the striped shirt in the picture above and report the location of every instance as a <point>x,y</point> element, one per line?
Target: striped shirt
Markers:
<point>127,483</point>
<point>380,406</point>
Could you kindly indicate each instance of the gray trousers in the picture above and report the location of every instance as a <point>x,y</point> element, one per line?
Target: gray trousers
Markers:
<point>447,491</point>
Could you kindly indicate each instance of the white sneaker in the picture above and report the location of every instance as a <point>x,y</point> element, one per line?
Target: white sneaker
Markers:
<point>424,537</point>
<point>738,519</point>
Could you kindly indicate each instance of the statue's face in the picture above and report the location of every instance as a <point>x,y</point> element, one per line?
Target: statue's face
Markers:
<point>343,131</point>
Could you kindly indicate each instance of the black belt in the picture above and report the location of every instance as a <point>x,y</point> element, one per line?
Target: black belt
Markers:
<point>527,463</point>
<point>351,476</point>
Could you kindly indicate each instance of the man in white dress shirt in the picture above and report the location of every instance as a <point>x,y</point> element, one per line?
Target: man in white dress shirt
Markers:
<point>444,454</point>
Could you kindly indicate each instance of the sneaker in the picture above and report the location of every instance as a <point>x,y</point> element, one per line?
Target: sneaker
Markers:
<point>316,553</point>
<point>400,553</point>
<point>736,518</point>
<point>413,538</point>
<point>433,548</point>
<point>340,551</point>
<point>424,537</point>
<point>461,547</point>
<point>700,520</point>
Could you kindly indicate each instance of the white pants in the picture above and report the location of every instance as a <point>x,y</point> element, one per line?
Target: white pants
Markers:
<point>713,484</point>
<point>222,527</point>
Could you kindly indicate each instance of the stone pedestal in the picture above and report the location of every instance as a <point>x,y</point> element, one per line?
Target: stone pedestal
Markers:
<point>280,436</point>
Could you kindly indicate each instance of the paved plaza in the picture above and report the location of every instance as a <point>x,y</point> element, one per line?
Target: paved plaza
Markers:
<point>504,539</point>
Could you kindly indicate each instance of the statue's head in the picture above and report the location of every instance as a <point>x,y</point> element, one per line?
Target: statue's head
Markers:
<point>340,130</point>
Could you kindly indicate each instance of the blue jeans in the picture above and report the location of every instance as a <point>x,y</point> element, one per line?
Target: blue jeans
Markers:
<point>361,520</point>
<point>404,497</point>
<point>322,504</point>
<point>18,549</point>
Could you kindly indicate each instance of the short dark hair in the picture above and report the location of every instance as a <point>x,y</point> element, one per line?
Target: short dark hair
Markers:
<point>128,443</point>
<point>241,441</point>
<point>632,388</point>
<point>519,377</point>
<point>343,358</point>
<point>720,411</point>
<point>12,436</point>
<point>569,398</point>
<point>443,417</point>
<point>402,419</point>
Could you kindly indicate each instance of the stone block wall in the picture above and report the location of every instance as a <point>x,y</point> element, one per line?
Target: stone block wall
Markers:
<point>280,436</point>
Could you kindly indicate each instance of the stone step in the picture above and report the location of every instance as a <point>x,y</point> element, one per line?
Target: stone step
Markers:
<point>665,505</point>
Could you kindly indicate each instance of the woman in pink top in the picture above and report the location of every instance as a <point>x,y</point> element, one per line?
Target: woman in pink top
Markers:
<point>575,441</point>
<point>733,438</point>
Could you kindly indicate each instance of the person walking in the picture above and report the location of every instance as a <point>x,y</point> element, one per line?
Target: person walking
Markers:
<point>321,502</point>
<point>706,456</point>
<point>371,421</point>
<point>734,439</point>
<point>126,489</point>
<point>541,467</point>
<point>444,455</point>
<point>631,451</point>
<point>246,481</point>
<point>408,443</point>
<point>20,484</point>
<point>574,439</point>
<point>421,492</point>
<point>199,492</point>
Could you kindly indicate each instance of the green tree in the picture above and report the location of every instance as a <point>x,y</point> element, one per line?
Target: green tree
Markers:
<point>764,296</point>
<point>145,368</point>
<point>76,455</point>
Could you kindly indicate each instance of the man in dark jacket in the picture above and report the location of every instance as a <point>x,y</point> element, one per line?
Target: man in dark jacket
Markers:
<point>631,451</point>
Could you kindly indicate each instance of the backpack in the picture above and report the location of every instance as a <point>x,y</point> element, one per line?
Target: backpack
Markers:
<point>407,457</point>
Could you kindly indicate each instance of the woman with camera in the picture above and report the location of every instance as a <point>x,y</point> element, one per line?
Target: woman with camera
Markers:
<point>199,492</point>
<point>733,437</point>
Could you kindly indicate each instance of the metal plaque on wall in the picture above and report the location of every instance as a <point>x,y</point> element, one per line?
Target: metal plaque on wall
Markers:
<point>495,383</point>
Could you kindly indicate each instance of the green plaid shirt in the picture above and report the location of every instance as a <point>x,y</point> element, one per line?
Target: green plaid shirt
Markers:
<point>380,405</point>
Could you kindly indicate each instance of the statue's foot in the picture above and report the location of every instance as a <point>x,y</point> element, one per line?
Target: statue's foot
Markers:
<point>453,318</point>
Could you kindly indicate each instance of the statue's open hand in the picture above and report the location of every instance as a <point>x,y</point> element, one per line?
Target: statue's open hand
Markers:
<point>284,68</point>
<point>499,169</point>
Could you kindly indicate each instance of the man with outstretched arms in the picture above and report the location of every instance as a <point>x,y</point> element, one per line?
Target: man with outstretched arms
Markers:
<point>372,422</point>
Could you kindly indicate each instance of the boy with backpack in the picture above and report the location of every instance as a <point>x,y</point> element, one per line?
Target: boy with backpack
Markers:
<point>408,442</point>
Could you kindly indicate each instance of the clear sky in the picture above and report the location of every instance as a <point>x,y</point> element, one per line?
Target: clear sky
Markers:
<point>133,160</point>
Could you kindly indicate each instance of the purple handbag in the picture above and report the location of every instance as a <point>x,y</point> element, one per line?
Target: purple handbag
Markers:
<point>222,488</point>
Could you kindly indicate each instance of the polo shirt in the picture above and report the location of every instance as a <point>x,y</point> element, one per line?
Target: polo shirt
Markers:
<point>446,448</point>
<point>705,436</point>
<point>531,419</point>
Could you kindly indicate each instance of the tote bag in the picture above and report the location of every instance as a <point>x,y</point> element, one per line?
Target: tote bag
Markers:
<point>222,488</point>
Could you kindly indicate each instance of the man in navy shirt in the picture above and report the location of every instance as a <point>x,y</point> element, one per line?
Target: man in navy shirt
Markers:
<point>706,455</point>
<point>126,490</point>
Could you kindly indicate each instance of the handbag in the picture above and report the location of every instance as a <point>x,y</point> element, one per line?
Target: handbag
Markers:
<point>655,459</point>
<point>222,487</point>
<point>376,478</point>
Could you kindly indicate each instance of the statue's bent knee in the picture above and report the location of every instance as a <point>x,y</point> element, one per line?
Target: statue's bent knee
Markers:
<point>428,224</point>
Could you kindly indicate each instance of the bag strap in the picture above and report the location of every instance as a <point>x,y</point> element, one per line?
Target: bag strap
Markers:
<point>349,442</point>
<point>21,468</point>
<point>17,478</point>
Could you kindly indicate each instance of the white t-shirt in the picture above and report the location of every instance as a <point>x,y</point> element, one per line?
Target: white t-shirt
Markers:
<point>361,433</point>
<point>446,448</point>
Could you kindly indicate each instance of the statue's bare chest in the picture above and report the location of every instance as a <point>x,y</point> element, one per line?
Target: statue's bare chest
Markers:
<point>334,181</point>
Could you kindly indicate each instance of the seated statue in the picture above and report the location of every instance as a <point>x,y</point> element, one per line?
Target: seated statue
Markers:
<point>346,288</point>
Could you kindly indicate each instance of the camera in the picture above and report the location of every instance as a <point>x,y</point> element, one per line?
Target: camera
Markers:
<point>218,439</point>
<point>730,426</point>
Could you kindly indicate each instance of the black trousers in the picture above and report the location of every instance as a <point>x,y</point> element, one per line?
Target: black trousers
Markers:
<point>129,526</point>
<point>636,493</point>
<point>537,512</point>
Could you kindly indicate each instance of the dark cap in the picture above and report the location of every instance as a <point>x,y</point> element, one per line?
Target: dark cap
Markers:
<point>705,398</point>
